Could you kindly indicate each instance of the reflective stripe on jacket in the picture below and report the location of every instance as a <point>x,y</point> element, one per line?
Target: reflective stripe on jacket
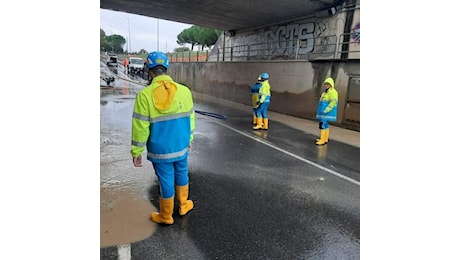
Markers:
<point>163,120</point>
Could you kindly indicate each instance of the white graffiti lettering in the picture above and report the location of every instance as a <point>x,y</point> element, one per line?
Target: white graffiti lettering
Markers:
<point>282,40</point>
<point>288,38</point>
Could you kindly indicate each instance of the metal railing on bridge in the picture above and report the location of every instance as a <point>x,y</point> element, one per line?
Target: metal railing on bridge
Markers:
<point>318,48</point>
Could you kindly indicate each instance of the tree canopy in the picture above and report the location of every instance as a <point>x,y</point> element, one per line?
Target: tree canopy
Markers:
<point>196,35</point>
<point>112,42</point>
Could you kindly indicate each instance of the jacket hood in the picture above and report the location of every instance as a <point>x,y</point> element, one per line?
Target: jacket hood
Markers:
<point>330,81</point>
<point>164,96</point>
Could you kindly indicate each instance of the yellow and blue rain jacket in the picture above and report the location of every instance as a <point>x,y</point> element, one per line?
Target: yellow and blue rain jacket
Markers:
<point>255,93</point>
<point>265,92</point>
<point>163,120</point>
<point>328,103</point>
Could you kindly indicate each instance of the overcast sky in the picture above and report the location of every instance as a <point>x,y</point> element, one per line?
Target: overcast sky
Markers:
<point>143,30</point>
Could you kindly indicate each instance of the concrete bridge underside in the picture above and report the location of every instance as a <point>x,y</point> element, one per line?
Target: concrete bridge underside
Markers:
<point>235,15</point>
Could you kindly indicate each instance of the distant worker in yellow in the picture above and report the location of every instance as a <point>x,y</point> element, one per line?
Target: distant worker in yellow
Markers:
<point>263,103</point>
<point>327,110</point>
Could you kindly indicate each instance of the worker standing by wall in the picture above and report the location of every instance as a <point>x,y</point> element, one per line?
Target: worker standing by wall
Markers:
<point>327,110</point>
<point>263,103</point>
<point>255,99</point>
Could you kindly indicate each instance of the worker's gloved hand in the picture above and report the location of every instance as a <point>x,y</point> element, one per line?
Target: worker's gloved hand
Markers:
<point>258,104</point>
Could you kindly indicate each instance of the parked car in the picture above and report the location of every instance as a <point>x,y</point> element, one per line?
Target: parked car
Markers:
<point>135,65</point>
<point>112,60</point>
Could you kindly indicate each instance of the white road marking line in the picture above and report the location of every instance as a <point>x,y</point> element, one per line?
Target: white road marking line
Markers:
<point>289,153</point>
<point>124,252</point>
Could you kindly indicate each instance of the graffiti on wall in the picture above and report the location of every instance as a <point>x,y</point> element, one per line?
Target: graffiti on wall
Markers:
<point>248,45</point>
<point>324,40</point>
<point>355,34</point>
<point>286,38</point>
<point>301,38</point>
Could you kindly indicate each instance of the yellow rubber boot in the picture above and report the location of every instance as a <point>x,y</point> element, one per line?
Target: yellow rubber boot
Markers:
<point>259,124</point>
<point>322,138</point>
<point>185,205</point>
<point>265,124</point>
<point>166,211</point>
<point>327,136</point>
<point>254,120</point>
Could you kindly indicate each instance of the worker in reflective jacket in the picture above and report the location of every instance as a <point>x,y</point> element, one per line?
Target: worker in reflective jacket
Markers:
<point>263,103</point>
<point>164,121</point>
<point>255,96</point>
<point>327,110</point>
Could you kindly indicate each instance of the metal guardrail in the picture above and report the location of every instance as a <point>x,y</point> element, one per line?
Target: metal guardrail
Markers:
<point>352,40</point>
<point>323,47</point>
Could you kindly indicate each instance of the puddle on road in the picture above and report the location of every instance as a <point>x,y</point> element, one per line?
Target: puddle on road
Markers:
<point>124,218</point>
<point>125,207</point>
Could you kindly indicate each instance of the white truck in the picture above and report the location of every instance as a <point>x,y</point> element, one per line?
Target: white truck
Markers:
<point>135,65</point>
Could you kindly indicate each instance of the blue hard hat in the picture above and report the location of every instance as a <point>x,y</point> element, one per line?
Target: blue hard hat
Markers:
<point>264,76</point>
<point>156,59</point>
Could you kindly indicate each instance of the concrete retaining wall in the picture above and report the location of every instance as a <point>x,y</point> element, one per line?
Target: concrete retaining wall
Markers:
<point>295,85</point>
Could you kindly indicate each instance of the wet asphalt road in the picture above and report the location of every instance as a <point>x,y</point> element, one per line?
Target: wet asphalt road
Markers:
<point>258,194</point>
